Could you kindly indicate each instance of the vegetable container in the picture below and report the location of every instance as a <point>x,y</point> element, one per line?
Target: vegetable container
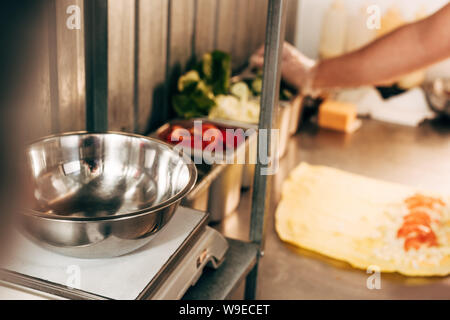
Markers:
<point>218,188</point>
<point>297,104</point>
<point>287,110</point>
<point>250,149</point>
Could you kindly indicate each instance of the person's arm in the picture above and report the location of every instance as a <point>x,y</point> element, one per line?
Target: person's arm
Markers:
<point>411,47</point>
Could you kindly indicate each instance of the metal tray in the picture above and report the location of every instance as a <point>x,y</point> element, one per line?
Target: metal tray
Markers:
<point>250,151</point>
<point>218,187</point>
<point>286,111</point>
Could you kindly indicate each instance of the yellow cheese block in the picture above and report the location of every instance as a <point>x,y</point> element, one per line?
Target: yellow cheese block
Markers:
<point>340,116</point>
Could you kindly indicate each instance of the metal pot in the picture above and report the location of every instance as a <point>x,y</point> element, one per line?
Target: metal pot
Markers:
<point>438,96</point>
<point>98,195</point>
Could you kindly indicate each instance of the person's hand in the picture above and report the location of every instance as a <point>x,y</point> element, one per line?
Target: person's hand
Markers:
<point>296,68</point>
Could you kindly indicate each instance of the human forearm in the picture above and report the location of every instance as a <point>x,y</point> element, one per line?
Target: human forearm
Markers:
<point>409,48</point>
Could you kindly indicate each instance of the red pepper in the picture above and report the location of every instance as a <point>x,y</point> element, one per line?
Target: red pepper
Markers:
<point>416,227</point>
<point>417,241</point>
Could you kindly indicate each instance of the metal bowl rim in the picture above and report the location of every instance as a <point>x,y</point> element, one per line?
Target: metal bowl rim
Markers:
<point>171,201</point>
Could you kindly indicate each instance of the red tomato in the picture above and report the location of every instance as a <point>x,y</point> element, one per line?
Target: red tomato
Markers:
<point>207,126</point>
<point>195,132</point>
<point>197,142</point>
<point>178,134</point>
<point>233,139</point>
<point>417,217</point>
<point>416,229</point>
<point>417,241</point>
<point>212,137</point>
<point>413,229</point>
<point>420,200</point>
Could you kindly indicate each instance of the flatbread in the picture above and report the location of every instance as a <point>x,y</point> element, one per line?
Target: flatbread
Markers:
<point>356,219</point>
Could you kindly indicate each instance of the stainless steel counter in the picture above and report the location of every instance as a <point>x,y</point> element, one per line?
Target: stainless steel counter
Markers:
<point>414,156</point>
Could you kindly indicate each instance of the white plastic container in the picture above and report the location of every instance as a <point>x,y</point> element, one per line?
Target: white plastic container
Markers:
<point>334,30</point>
<point>358,34</point>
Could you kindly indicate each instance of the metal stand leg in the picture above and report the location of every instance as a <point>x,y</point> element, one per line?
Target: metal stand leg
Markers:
<point>270,91</point>
<point>96,52</point>
<point>250,283</point>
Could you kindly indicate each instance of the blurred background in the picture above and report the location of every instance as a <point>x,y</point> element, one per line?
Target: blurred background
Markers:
<point>136,50</point>
<point>345,21</point>
<point>69,63</point>
<point>152,42</point>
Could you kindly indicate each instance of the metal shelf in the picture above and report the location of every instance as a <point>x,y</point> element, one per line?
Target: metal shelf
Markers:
<point>219,284</point>
<point>243,258</point>
<point>276,14</point>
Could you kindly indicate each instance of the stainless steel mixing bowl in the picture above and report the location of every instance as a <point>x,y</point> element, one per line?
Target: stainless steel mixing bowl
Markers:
<point>102,195</point>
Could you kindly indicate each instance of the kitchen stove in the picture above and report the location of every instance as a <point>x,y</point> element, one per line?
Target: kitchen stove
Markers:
<point>163,269</point>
